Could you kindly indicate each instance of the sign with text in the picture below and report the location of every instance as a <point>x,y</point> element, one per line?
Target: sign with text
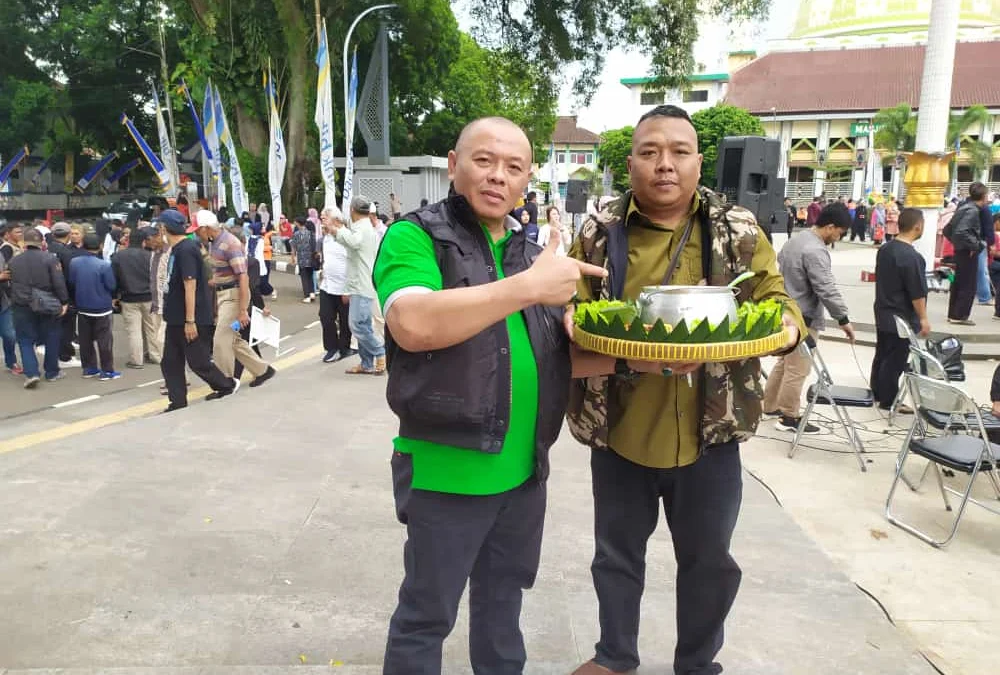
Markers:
<point>863,128</point>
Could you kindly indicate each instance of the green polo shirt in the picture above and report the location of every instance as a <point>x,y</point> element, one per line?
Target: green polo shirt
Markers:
<point>407,260</point>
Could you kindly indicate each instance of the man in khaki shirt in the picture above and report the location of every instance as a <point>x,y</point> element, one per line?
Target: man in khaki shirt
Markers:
<point>665,443</point>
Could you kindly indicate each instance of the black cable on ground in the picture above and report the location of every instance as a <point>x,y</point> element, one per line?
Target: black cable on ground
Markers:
<point>888,617</point>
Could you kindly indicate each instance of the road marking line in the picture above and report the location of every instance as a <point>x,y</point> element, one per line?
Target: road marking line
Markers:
<point>148,384</point>
<point>141,410</point>
<point>82,399</point>
<point>313,324</point>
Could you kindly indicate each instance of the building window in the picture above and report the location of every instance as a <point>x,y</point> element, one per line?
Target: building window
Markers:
<point>696,96</point>
<point>590,158</point>
<point>800,174</point>
<point>560,158</point>
<point>651,98</point>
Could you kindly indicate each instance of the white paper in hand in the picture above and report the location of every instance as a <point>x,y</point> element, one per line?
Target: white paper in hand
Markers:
<point>265,330</point>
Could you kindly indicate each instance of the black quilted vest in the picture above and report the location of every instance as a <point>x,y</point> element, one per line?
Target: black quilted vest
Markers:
<point>461,395</point>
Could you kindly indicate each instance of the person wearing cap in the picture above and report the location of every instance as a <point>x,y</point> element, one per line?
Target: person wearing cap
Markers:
<point>479,374</point>
<point>37,288</point>
<point>232,296</point>
<point>188,312</point>
<point>362,245</point>
<point>131,269</point>
<point>61,247</point>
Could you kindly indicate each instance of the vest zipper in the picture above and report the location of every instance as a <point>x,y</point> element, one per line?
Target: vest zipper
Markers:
<point>487,251</point>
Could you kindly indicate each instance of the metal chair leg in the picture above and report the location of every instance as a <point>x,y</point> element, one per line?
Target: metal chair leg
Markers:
<point>802,425</point>
<point>940,482</point>
<point>852,437</point>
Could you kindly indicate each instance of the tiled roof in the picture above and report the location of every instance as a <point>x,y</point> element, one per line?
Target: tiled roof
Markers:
<point>567,133</point>
<point>699,77</point>
<point>847,80</point>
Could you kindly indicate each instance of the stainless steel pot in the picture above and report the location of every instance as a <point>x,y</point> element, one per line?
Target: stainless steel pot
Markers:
<point>673,303</point>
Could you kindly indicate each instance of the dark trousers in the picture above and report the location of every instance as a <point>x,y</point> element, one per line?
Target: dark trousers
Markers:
<point>237,366</point>
<point>963,289</point>
<point>37,329</point>
<point>891,355</point>
<point>306,275</point>
<point>858,229</point>
<point>96,329</point>
<point>197,354</point>
<point>66,350</point>
<point>994,270</point>
<point>333,318</point>
<point>701,502</point>
<point>265,286</point>
<point>493,542</point>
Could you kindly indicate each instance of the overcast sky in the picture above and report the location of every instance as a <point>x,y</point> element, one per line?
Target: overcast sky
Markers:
<point>606,111</point>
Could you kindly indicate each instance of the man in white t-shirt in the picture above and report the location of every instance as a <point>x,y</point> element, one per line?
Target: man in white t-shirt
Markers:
<point>334,302</point>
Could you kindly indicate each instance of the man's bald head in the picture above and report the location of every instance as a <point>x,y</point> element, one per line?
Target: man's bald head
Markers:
<point>491,166</point>
<point>495,126</point>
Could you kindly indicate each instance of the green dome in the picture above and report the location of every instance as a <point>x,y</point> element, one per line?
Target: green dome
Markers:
<point>831,18</point>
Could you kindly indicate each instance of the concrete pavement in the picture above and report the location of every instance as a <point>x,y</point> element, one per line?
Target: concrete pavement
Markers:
<point>15,401</point>
<point>257,534</point>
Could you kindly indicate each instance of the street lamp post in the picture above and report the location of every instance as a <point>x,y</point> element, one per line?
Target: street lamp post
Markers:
<point>347,43</point>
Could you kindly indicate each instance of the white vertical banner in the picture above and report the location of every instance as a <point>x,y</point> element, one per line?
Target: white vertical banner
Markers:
<point>324,120</point>
<point>276,158</point>
<point>166,147</point>
<point>352,97</point>
<point>241,202</point>
<point>212,136</point>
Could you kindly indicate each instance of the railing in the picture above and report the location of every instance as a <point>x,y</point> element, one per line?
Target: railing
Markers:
<point>798,192</point>
<point>837,190</point>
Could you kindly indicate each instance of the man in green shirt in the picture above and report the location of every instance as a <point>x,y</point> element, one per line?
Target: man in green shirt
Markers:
<point>475,341</point>
<point>668,432</point>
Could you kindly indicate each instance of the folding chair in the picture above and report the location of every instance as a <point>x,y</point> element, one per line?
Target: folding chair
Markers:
<point>939,404</point>
<point>921,361</point>
<point>840,398</point>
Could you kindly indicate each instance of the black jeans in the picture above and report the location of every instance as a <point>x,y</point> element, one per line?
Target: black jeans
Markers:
<point>96,329</point>
<point>265,286</point>
<point>891,355</point>
<point>701,502</point>
<point>197,354</point>
<point>994,270</point>
<point>306,275</point>
<point>963,290</point>
<point>333,318</point>
<point>858,229</point>
<point>66,350</point>
<point>493,542</point>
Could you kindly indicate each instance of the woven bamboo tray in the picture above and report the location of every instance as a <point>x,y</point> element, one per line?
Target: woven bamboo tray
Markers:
<point>716,352</point>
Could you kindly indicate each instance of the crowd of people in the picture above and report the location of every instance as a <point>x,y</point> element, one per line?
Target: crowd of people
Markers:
<point>183,288</point>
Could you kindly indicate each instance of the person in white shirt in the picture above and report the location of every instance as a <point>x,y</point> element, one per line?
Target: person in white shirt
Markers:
<point>378,321</point>
<point>334,302</point>
<point>552,215</point>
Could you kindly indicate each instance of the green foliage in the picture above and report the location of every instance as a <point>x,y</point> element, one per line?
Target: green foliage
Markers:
<point>715,123</point>
<point>254,171</point>
<point>615,147</point>
<point>898,128</point>
<point>481,83</point>
<point>555,33</point>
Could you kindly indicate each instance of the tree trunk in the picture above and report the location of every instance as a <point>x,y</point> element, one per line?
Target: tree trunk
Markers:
<point>296,31</point>
<point>252,130</point>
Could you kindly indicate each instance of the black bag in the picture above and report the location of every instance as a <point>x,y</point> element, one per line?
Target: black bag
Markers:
<point>948,350</point>
<point>45,303</point>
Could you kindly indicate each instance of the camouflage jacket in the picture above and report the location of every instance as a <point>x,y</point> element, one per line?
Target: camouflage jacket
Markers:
<point>730,392</point>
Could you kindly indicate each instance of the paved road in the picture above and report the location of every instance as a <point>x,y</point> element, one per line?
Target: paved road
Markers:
<point>15,401</point>
<point>226,539</point>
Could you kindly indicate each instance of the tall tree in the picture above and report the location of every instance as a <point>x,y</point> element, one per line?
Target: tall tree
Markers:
<point>613,152</point>
<point>559,32</point>
<point>959,124</point>
<point>897,128</point>
<point>715,123</point>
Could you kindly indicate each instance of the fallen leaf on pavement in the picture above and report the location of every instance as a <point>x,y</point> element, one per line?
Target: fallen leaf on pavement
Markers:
<point>879,534</point>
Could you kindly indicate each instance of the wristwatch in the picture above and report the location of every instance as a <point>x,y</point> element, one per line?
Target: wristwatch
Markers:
<point>189,322</point>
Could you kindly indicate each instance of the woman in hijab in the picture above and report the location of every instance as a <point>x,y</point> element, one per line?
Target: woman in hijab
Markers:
<point>264,215</point>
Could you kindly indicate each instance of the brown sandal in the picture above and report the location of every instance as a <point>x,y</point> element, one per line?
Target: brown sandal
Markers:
<point>361,370</point>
